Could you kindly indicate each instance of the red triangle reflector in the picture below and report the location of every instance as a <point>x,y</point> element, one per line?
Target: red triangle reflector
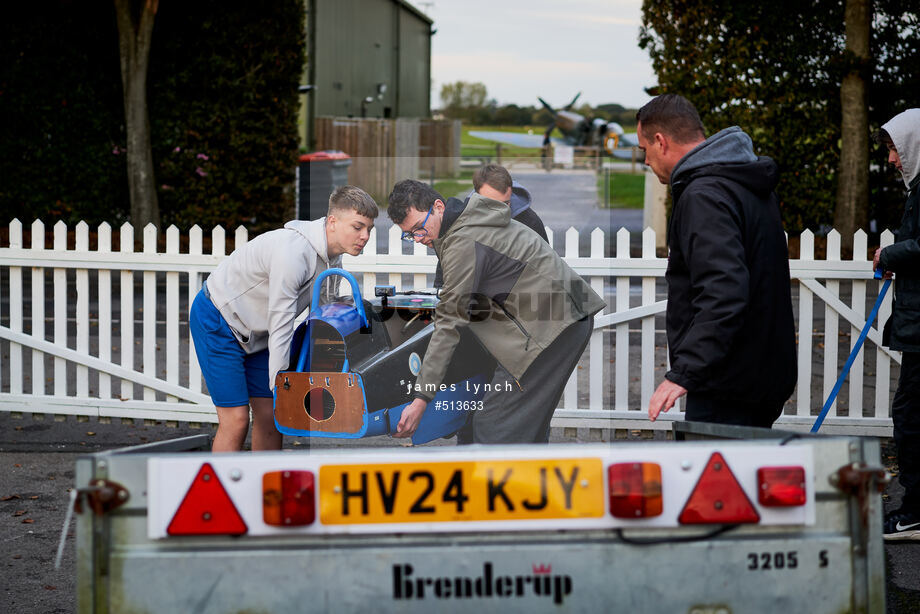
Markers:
<point>206,509</point>
<point>718,498</point>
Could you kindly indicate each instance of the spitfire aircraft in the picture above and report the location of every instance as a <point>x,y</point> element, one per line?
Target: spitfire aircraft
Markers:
<point>577,131</point>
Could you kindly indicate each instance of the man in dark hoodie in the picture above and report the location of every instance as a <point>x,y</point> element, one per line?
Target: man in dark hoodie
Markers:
<point>494,181</point>
<point>901,136</point>
<point>511,290</point>
<point>731,335</point>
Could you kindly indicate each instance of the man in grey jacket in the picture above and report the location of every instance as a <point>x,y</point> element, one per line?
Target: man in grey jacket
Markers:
<point>242,321</point>
<point>901,135</point>
<point>523,303</point>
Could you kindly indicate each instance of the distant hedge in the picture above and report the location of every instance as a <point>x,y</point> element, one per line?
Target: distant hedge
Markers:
<point>222,95</point>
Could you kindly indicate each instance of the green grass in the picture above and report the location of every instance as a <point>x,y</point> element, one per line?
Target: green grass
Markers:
<point>455,185</point>
<point>627,191</point>
<point>472,147</point>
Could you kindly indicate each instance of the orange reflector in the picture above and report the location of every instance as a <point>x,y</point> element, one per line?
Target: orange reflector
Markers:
<point>206,509</point>
<point>635,490</point>
<point>718,498</point>
<point>781,486</point>
<point>288,498</point>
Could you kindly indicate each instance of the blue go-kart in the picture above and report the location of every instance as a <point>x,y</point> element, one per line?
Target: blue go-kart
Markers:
<point>354,363</point>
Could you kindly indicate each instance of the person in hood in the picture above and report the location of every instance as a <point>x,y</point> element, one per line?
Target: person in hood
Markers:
<point>242,320</point>
<point>901,136</point>
<point>731,334</point>
<point>511,290</point>
<point>494,181</point>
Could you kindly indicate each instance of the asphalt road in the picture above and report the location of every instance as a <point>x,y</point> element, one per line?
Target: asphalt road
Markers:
<point>563,199</point>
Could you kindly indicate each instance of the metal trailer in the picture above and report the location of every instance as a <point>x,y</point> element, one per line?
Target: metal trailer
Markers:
<point>714,526</point>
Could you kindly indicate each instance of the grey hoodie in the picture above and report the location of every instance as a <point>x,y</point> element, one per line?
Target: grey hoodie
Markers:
<point>904,130</point>
<point>728,146</point>
<point>262,286</point>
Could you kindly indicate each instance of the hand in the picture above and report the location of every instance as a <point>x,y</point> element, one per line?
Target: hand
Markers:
<point>664,398</point>
<point>411,416</point>
<point>875,265</point>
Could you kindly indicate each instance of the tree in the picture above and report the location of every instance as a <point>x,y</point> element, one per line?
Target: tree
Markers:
<point>462,100</point>
<point>755,66</point>
<point>853,179</point>
<point>789,74</point>
<point>135,29</point>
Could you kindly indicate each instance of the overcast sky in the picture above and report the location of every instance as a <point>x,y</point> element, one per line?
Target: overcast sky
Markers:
<point>521,49</point>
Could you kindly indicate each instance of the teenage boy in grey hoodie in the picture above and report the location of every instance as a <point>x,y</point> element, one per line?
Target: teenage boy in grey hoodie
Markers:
<point>901,136</point>
<point>731,334</point>
<point>242,321</point>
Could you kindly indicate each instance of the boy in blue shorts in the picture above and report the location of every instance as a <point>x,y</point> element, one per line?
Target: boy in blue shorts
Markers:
<point>242,321</point>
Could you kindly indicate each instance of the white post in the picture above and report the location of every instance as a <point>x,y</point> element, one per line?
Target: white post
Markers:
<point>647,361</point>
<point>38,307</point>
<point>596,362</point>
<point>126,311</point>
<point>394,247</point>
<point>60,311</point>
<point>831,326</point>
<point>882,360</point>
<point>172,314</point>
<point>806,299</point>
<point>859,306</point>
<point>570,396</point>
<point>621,366</point>
<point>149,336</point>
<point>16,350</point>
<point>82,311</point>
<point>104,246</point>
<point>194,286</point>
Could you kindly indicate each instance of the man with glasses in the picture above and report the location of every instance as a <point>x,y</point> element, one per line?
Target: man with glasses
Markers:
<point>523,303</point>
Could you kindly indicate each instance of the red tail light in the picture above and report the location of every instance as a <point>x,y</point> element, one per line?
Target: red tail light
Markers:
<point>206,509</point>
<point>288,498</point>
<point>718,498</point>
<point>781,486</point>
<point>634,490</point>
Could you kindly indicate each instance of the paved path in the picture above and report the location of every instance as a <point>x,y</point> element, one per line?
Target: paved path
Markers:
<point>563,199</point>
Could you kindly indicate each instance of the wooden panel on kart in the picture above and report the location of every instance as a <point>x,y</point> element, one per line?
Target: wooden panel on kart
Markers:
<point>299,402</point>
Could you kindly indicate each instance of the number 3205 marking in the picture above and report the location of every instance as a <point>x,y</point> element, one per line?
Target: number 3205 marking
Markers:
<point>773,560</point>
<point>780,560</point>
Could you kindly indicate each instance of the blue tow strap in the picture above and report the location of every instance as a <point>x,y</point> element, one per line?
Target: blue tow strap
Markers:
<point>856,348</point>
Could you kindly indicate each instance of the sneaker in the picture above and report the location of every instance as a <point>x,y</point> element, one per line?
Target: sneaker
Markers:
<point>902,525</point>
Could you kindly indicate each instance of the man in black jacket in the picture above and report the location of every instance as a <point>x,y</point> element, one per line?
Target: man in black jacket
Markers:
<point>901,136</point>
<point>731,334</point>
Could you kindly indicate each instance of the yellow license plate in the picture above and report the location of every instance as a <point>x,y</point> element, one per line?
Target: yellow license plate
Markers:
<point>458,491</point>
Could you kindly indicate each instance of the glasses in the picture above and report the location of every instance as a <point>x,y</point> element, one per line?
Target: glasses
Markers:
<point>412,235</point>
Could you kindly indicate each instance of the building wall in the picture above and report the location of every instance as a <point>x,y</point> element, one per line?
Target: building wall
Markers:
<point>356,46</point>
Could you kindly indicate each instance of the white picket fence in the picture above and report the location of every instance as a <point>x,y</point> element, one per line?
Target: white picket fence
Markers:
<point>110,338</point>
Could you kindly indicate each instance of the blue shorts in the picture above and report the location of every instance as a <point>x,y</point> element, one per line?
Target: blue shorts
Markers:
<point>232,376</point>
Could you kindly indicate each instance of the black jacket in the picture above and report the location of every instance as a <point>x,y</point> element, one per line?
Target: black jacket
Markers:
<point>902,331</point>
<point>520,212</point>
<point>528,217</point>
<point>730,327</point>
